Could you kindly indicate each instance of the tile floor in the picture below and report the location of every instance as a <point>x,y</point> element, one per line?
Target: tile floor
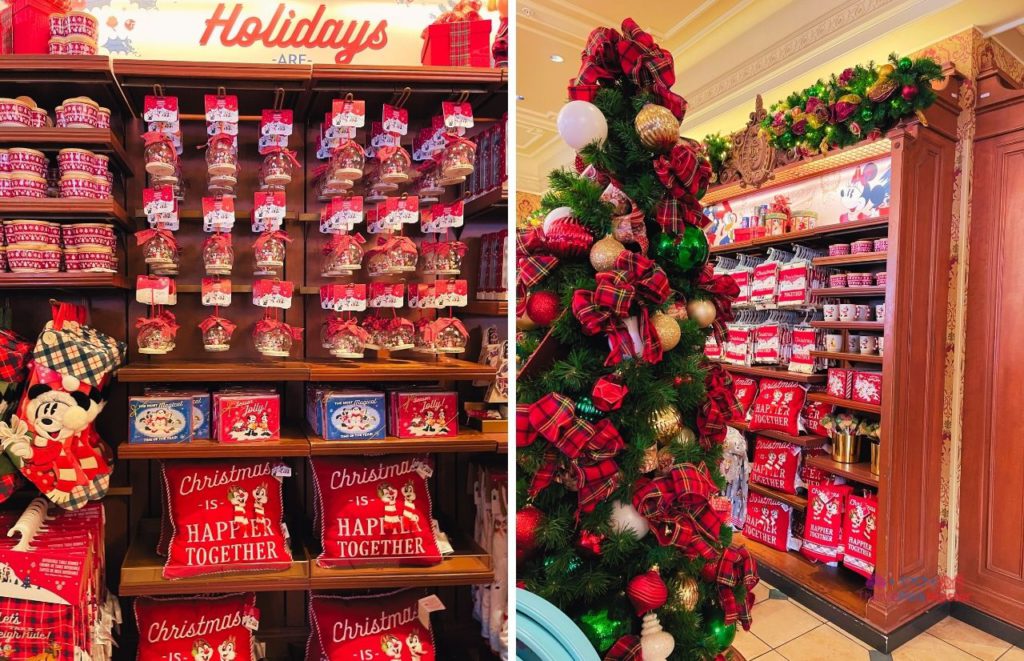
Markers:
<point>784,630</point>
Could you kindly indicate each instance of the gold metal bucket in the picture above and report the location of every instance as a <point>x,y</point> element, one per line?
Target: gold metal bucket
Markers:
<point>845,448</point>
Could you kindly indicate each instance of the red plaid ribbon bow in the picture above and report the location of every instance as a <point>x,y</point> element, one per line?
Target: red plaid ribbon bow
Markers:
<point>626,648</point>
<point>673,214</point>
<point>599,61</point>
<point>723,290</point>
<point>590,448</point>
<point>734,566</point>
<point>679,509</point>
<point>635,279</point>
<point>649,66</point>
<point>685,172</point>
<point>532,267</point>
<point>718,408</point>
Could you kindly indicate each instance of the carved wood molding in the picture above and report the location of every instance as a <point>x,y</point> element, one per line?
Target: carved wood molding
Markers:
<point>752,158</point>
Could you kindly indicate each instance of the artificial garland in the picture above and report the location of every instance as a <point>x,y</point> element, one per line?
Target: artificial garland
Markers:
<point>861,102</point>
<point>717,149</point>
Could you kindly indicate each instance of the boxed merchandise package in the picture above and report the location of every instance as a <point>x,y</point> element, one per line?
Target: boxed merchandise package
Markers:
<point>457,44</point>
<point>840,382</point>
<point>160,419</point>
<point>247,416</point>
<point>867,387</point>
<point>200,408</point>
<point>351,415</point>
<point>25,26</point>
<point>416,414</point>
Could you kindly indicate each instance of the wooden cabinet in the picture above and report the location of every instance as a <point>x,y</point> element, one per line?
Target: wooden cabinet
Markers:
<point>991,557</point>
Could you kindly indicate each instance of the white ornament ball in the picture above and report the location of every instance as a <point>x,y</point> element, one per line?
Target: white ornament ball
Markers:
<point>625,517</point>
<point>656,644</point>
<point>555,215</point>
<point>580,123</point>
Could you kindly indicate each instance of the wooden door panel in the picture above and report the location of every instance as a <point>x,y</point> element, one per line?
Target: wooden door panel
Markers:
<point>992,481</point>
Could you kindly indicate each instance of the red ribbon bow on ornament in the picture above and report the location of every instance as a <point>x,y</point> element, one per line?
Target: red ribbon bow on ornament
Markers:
<point>395,242</point>
<point>279,235</point>
<point>673,214</point>
<point>287,152</point>
<point>145,236</point>
<point>209,322</point>
<point>718,408</point>
<point>268,324</point>
<point>589,448</point>
<point>679,509</point>
<point>431,331</point>
<point>349,326</point>
<point>154,137</point>
<point>218,137</point>
<point>220,239</point>
<point>635,279</point>
<point>685,172</point>
<point>386,153</point>
<point>165,321</point>
<point>734,566</point>
<point>342,242</point>
<point>455,139</point>
<point>649,66</point>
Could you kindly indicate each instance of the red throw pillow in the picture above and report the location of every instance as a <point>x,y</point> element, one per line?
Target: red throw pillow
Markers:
<point>225,516</point>
<point>777,407</point>
<point>745,389</point>
<point>202,628</point>
<point>768,521</point>
<point>859,534</point>
<point>378,627</point>
<point>823,529</point>
<point>811,417</point>
<point>776,465</point>
<point>375,511</point>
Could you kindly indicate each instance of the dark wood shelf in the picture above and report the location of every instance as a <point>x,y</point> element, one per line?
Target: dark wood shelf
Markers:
<point>292,444</point>
<point>849,325</point>
<point>822,232</point>
<point>804,441</point>
<point>860,473</point>
<point>212,370</point>
<point>468,440</point>
<point>142,569</point>
<point>844,403</point>
<point>66,210</point>
<point>486,308</point>
<point>492,201</point>
<point>797,502</point>
<point>469,565</point>
<point>102,141</point>
<point>850,260</point>
<point>49,79</point>
<point>849,292</point>
<point>63,280</point>
<point>849,357</point>
<point>838,585</point>
<point>774,373</point>
<point>398,369</point>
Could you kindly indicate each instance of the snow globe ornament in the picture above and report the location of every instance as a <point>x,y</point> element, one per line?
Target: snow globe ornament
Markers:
<point>450,336</point>
<point>218,255</point>
<point>430,188</point>
<point>269,251</point>
<point>216,333</point>
<point>399,334</point>
<point>276,172</point>
<point>401,253</point>
<point>442,257</point>
<point>159,249</point>
<point>376,331</point>
<point>275,338</point>
<point>159,155</point>
<point>424,341</point>
<point>343,254</point>
<point>348,161</point>
<point>346,338</point>
<point>394,165</point>
<point>457,161</point>
<point>221,155</point>
<point>156,334</point>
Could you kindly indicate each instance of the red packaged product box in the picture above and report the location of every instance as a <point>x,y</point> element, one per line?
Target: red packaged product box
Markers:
<point>867,387</point>
<point>25,26</point>
<point>457,44</point>
<point>768,521</point>
<point>840,382</point>
<point>422,414</point>
<point>241,417</point>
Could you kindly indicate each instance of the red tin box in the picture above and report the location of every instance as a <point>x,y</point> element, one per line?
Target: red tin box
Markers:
<point>458,44</point>
<point>413,414</point>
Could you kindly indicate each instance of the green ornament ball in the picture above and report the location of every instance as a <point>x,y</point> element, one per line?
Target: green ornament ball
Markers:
<point>867,114</point>
<point>602,630</point>
<point>718,630</point>
<point>585,409</point>
<point>663,247</point>
<point>905,64</point>
<point>692,249</point>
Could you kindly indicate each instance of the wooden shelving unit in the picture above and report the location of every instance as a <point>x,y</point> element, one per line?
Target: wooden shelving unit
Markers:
<point>851,260</point>
<point>469,565</point>
<point>292,444</point>
<point>486,308</point>
<point>400,369</point>
<point>64,210</point>
<point>803,440</point>
<point>213,371</point>
<point>141,573</point>
<point>819,234</point>
<point>848,357</point>
<point>844,403</point>
<point>849,292</point>
<point>849,325</point>
<point>860,473</point>
<point>797,502</point>
<point>774,373</point>
<point>467,440</point>
<point>63,280</point>
<point>102,141</point>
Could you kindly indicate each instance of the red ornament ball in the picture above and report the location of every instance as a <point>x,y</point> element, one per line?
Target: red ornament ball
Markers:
<point>528,520</point>
<point>909,92</point>
<point>543,307</point>
<point>647,591</point>
<point>590,542</point>
<point>566,237</point>
<point>579,164</point>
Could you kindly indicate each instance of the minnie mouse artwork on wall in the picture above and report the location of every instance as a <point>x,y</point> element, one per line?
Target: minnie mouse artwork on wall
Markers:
<point>867,193</point>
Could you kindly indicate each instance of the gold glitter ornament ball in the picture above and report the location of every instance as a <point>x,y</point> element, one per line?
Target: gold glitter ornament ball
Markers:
<point>688,594</point>
<point>667,329</point>
<point>604,253</point>
<point>666,423</point>
<point>702,311</point>
<point>657,127</point>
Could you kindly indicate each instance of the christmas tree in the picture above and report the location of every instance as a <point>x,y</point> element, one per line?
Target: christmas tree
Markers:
<point>620,420</point>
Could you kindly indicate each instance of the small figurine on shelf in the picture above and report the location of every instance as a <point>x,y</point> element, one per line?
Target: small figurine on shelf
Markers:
<point>159,155</point>
<point>158,247</point>
<point>342,255</point>
<point>156,333</point>
<point>450,336</point>
<point>348,161</point>
<point>394,165</point>
<point>346,339</point>
<point>276,172</point>
<point>274,338</point>
<point>269,251</point>
<point>218,255</point>
<point>216,333</point>
<point>457,161</point>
